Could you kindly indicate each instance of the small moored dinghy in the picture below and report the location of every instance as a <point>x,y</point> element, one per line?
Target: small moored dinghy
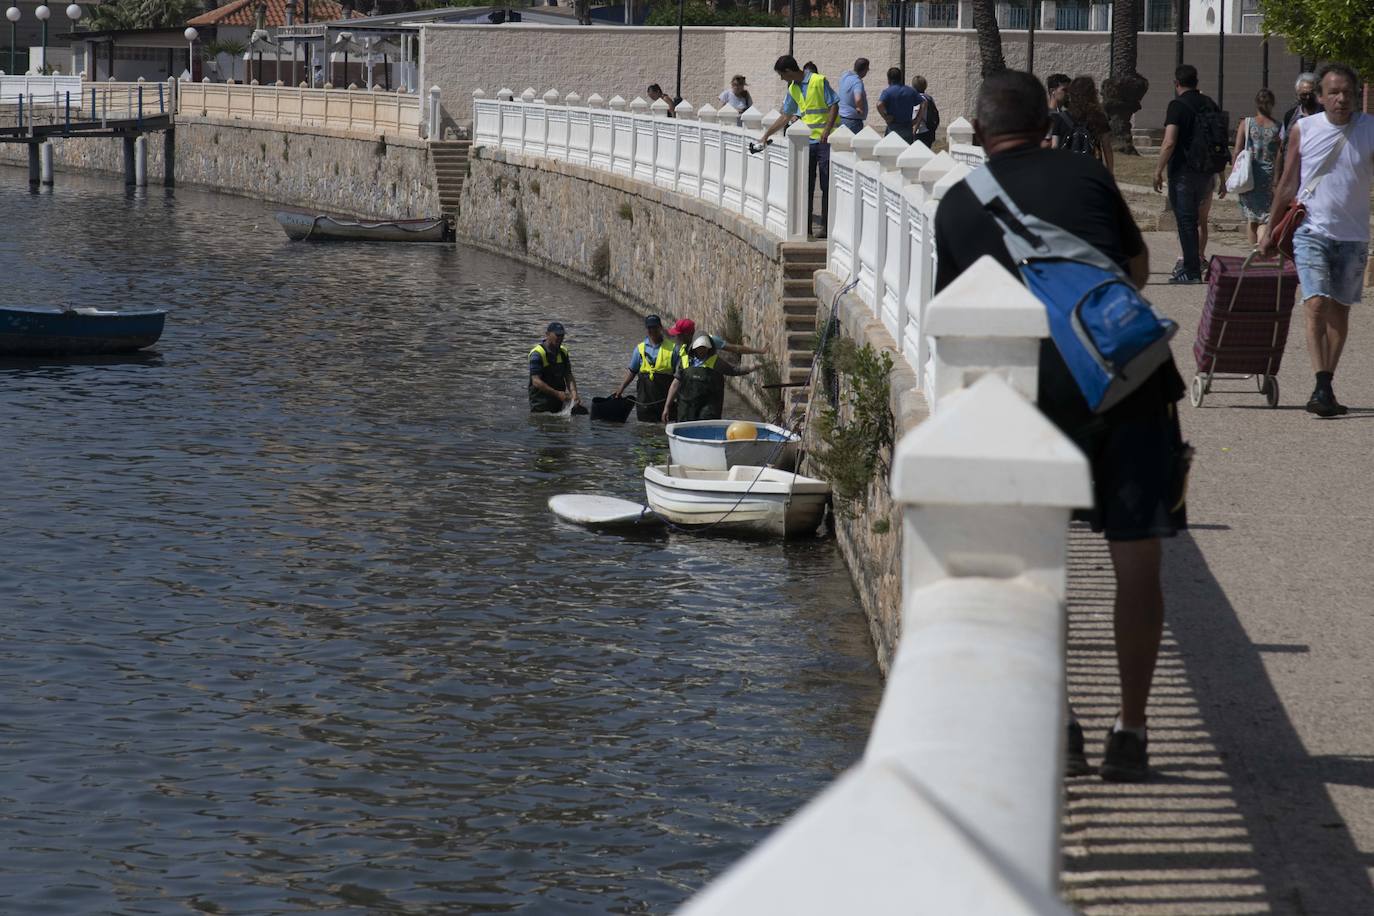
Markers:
<point>705,444</point>
<point>302,227</point>
<point>592,510</point>
<point>80,331</point>
<point>745,498</point>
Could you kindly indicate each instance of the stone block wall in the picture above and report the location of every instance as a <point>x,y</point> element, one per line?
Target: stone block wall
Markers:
<point>871,538</point>
<point>316,168</point>
<point>652,250</point>
<point>618,61</point>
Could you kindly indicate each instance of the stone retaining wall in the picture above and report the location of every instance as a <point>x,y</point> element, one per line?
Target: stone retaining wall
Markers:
<point>652,250</point>
<point>312,167</point>
<point>871,539</point>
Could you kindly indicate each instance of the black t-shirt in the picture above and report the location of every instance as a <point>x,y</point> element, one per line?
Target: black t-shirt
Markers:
<point>1182,112</point>
<point>1061,126</point>
<point>1080,196</point>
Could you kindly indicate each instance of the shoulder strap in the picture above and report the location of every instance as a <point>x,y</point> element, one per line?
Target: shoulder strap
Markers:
<point>1326,165</point>
<point>1030,237</point>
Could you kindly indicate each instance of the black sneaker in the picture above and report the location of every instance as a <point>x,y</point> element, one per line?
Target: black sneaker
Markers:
<point>1076,759</point>
<point>1323,404</point>
<point>1182,276</point>
<point>1126,758</point>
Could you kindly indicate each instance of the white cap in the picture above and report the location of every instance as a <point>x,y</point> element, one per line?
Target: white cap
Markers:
<point>702,341</point>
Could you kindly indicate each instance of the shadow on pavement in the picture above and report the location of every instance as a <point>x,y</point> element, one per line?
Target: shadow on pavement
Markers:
<point>1238,818</point>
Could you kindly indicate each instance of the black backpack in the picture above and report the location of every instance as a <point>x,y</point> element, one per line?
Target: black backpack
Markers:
<point>1209,148</point>
<point>1081,139</point>
<point>932,113</point>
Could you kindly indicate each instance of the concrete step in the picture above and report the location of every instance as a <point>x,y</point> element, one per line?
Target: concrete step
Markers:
<point>451,160</point>
<point>798,373</point>
<point>794,286</point>
<point>810,251</point>
<point>800,359</point>
<point>799,270</point>
<point>799,305</point>
<point>799,323</point>
<point>801,340</point>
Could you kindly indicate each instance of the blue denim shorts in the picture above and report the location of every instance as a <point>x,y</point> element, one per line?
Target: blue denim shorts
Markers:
<point>1329,268</point>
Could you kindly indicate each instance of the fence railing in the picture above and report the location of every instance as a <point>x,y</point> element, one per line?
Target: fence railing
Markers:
<point>74,102</point>
<point>701,153</point>
<point>359,110</point>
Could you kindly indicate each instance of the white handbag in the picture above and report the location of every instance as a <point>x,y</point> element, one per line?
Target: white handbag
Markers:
<point>1241,178</point>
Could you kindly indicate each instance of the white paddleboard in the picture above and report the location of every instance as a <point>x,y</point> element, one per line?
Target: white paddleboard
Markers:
<point>597,511</point>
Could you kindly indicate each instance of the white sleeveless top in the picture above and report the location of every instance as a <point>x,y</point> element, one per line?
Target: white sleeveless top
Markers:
<point>1339,207</point>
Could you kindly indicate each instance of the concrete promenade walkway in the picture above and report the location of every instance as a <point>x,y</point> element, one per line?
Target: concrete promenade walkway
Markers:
<point>1262,718</point>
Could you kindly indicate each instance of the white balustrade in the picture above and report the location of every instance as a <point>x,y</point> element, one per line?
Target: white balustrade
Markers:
<point>842,250</point>
<point>867,174</point>
<point>693,153</point>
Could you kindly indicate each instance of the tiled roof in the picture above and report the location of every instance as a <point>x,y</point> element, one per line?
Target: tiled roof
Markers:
<point>243,12</point>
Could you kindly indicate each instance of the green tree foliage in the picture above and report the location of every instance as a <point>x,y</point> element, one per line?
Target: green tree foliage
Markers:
<point>1340,30</point>
<point>142,14</point>
<point>698,12</point>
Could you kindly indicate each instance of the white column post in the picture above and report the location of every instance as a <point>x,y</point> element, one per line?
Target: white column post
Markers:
<point>434,125</point>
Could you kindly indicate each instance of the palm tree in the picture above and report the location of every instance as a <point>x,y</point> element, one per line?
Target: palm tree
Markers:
<point>1123,89</point>
<point>989,36</point>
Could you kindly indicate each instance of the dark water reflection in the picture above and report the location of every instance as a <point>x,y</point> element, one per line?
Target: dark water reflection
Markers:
<point>286,625</point>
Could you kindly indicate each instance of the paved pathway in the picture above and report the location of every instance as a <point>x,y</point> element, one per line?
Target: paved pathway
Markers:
<point>1262,719</point>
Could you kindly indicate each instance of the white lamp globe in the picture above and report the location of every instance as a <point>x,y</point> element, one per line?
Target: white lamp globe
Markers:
<point>73,12</point>
<point>191,34</point>
<point>13,14</point>
<point>42,13</point>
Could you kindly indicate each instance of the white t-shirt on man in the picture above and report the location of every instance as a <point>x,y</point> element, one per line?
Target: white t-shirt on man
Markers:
<point>1339,206</point>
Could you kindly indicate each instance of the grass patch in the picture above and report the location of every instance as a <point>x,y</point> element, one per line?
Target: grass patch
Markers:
<point>626,212</point>
<point>522,232</point>
<point>601,260</point>
<point>732,329</point>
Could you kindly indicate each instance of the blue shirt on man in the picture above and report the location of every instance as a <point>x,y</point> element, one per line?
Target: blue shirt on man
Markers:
<point>852,84</point>
<point>900,101</point>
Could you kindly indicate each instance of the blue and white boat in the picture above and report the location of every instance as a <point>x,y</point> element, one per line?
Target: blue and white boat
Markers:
<point>702,444</point>
<point>81,331</point>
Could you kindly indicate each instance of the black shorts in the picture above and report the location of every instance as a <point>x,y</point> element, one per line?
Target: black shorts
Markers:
<point>1140,469</point>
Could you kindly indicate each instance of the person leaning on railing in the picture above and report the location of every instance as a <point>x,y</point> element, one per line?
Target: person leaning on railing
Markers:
<point>810,98</point>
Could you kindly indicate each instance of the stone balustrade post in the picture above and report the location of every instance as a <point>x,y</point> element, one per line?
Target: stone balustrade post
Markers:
<point>888,150</point>
<point>798,137</point>
<point>934,170</point>
<point>984,323</point>
<point>433,119</point>
<point>572,100</point>
<point>659,108</point>
<point>528,96</point>
<point>505,95</point>
<point>864,144</point>
<point>915,158</point>
<point>596,101</point>
<point>751,119</point>
<point>960,131</point>
<point>985,490</point>
<point>550,97</point>
<point>639,106</point>
<point>684,111</point>
<point>616,103</point>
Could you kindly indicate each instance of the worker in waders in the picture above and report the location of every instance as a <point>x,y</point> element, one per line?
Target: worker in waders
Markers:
<point>698,389</point>
<point>651,368</point>
<point>551,376</point>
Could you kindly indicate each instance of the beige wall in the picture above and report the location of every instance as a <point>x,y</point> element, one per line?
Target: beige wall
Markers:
<point>623,61</point>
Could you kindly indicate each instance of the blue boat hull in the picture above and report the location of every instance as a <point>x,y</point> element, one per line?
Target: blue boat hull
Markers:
<point>48,332</point>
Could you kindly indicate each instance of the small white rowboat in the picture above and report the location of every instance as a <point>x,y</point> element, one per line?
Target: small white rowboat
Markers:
<point>745,498</point>
<point>301,227</point>
<point>702,444</point>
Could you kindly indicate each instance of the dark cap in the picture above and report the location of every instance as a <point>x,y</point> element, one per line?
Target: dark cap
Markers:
<point>554,328</point>
<point>653,321</point>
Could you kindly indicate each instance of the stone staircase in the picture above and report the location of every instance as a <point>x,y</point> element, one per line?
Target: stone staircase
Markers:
<point>800,260</point>
<point>450,171</point>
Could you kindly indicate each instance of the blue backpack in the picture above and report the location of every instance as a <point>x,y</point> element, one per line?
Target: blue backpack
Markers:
<point>1110,338</point>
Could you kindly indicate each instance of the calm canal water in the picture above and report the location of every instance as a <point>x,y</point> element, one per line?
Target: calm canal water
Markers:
<point>287,627</point>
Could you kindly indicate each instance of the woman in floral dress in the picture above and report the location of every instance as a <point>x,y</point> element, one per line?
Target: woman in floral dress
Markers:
<point>1260,136</point>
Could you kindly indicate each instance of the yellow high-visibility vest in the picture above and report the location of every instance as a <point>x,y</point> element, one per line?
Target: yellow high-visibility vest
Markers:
<point>663,362</point>
<point>811,104</point>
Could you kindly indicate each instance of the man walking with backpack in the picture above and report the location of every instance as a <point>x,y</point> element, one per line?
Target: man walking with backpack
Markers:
<point>1195,151</point>
<point>1139,461</point>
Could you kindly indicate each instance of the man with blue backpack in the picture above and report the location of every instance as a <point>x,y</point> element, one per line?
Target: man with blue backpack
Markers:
<point>1061,224</point>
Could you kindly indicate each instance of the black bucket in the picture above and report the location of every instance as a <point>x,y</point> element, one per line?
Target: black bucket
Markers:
<point>612,410</point>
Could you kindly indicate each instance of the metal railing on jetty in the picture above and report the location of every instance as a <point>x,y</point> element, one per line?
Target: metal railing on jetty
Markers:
<point>71,104</point>
<point>955,806</point>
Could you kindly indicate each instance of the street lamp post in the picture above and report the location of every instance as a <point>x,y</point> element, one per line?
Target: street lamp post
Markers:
<point>12,14</point>
<point>191,35</point>
<point>791,27</point>
<point>74,14</point>
<point>677,94</point>
<point>43,13</point>
<point>901,52</point>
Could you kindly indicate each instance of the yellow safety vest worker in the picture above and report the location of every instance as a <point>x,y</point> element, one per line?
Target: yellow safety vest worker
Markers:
<point>814,112</point>
<point>663,362</point>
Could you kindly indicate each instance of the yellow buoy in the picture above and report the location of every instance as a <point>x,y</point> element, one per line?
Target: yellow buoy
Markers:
<point>741,429</point>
